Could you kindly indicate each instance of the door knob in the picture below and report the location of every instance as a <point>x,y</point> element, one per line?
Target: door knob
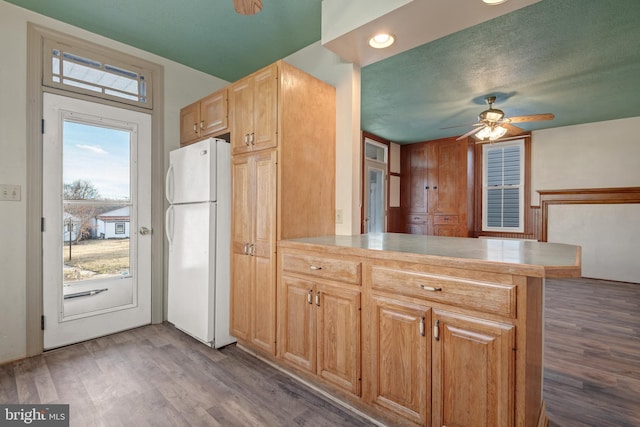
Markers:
<point>144,231</point>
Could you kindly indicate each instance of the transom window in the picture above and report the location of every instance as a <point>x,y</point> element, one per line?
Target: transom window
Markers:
<point>75,70</point>
<point>503,186</point>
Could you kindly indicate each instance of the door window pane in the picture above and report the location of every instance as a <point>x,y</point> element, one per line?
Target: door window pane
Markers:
<point>96,202</point>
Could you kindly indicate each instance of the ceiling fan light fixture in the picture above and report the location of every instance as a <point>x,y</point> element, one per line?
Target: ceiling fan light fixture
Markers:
<point>382,40</point>
<point>493,2</point>
<point>491,132</point>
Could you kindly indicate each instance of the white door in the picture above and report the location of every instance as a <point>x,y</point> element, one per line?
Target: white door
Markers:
<point>375,186</point>
<point>97,216</point>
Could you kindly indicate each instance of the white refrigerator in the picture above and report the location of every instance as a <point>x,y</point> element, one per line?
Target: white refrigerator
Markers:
<point>198,223</point>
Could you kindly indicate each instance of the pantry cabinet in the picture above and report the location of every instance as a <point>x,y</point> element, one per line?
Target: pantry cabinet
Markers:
<point>436,187</point>
<point>207,117</point>
<point>283,181</point>
<point>253,102</point>
<point>253,225</point>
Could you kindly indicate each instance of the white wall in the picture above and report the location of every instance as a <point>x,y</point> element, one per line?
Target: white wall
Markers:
<point>594,155</point>
<point>182,86</point>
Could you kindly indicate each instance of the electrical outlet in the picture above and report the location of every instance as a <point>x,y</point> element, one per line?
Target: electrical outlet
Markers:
<point>338,216</point>
<point>10,192</point>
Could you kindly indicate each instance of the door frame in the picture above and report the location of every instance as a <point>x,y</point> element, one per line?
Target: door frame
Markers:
<point>363,178</point>
<point>35,90</point>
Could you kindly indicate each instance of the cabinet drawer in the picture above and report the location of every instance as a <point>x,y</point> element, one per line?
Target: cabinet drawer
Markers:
<point>485,296</point>
<point>446,219</point>
<point>326,268</point>
<point>417,219</point>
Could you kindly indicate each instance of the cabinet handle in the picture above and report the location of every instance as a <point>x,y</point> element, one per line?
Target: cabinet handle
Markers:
<point>435,188</point>
<point>436,330</point>
<point>315,267</point>
<point>246,249</point>
<point>195,128</point>
<point>430,288</point>
<point>309,296</point>
<point>253,139</point>
<point>318,299</point>
<point>426,188</point>
<point>252,249</point>
<point>202,125</point>
<point>422,326</point>
<point>246,139</point>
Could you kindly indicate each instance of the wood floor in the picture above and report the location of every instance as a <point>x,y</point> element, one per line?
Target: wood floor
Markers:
<point>157,376</point>
<point>592,353</point>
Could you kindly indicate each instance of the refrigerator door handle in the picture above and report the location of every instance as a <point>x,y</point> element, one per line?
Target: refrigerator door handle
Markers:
<point>168,188</point>
<point>169,225</point>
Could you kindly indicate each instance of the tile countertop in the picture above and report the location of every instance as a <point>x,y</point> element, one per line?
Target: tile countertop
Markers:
<point>524,257</point>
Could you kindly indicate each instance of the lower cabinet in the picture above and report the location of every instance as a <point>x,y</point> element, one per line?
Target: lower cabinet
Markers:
<point>400,357</point>
<point>472,372</point>
<point>319,330</point>
<point>436,368</point>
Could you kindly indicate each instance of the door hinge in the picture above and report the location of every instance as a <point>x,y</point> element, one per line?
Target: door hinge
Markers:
<point>42,126</point>
<point>42,224</point>
<point>42,322</point>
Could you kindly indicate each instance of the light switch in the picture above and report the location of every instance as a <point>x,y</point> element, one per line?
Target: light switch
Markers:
<point>10,192</point>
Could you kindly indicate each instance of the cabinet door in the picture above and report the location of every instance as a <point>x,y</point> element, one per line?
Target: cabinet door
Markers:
<point>419,186</point>
<point>473,371</point>
<point>241,106</point>
<point>400,340</point>
<point>265,106</point>
<point>450,177</point>
<point>338,336</point>
<point>241,237</point>
<point>189,119</point>
<point>263,252</point>
<point>213,113</point>
<point>297,339</point>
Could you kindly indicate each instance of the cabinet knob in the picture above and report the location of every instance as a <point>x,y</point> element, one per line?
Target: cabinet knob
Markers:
<point>426,188</point>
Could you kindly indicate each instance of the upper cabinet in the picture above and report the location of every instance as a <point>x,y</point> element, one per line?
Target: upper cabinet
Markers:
<point>436,187</point>
<point>204,118</point>
<point>253,102</point>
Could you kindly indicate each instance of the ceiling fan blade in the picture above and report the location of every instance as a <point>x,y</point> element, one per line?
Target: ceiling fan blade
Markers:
<point>511,129</point>
<point>530,118</point>
<point>471,132</point>
<point>460,126</point>
<point>247,7</point>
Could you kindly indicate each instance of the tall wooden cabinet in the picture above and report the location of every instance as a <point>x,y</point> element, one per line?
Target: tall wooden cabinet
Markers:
<point>283,183</point>
<point>436,188</point>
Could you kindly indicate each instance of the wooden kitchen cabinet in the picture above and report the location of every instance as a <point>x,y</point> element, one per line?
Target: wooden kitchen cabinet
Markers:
<point>473,378</point>
<point>253,101</point>
<point>283,186</point>
<point>207,117</point>
<point>436,187</point>
<point>400,354</point>
<point>253,224</point>
<point>319,319</point>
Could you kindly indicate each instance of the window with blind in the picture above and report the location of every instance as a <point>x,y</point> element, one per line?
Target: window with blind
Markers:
<point>503,187</point>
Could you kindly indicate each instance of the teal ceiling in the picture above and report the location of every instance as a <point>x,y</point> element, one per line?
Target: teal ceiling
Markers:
<point>578,59</point>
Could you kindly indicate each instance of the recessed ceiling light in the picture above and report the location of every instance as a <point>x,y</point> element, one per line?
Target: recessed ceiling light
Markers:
<point>493,2</point>
<point>382,40</point>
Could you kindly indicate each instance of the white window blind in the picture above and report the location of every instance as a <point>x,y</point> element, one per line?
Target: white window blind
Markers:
<point>503,187</point>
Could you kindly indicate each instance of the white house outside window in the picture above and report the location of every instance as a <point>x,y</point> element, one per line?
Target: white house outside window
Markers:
<point>503,187</point>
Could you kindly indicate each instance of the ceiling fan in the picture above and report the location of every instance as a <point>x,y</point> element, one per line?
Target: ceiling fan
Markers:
<point>247,7</point>
<point>492,123</point>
